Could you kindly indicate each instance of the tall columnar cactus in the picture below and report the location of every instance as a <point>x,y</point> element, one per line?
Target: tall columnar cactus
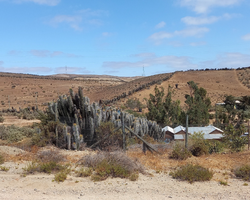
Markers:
<point>76,111</point>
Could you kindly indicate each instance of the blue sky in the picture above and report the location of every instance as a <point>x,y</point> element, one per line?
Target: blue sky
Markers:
<point>122,37</point>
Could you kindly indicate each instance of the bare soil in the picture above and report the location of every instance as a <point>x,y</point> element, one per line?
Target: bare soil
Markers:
<point>156,184</point>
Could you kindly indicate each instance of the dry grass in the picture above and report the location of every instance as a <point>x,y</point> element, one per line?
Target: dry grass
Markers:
<point>213,161</point>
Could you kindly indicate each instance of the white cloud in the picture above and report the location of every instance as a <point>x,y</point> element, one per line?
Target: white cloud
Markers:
<point>1,63</point>
<point>159,37</point>
<point>192,31</point>
<point>246,37</point>
<point>46,53</point>
<point>204,6</point>
<point>199,20</point>
<point>150,60</point>
<point>72,70</point>
<point>41,2</point>
<point>30,70</point>
<point>160,25</point>
<point>206,20</point>
<point>75,21</point>
<point>229,60</point>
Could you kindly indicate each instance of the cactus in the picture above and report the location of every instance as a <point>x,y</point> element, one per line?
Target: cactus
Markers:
<point>82,119</point>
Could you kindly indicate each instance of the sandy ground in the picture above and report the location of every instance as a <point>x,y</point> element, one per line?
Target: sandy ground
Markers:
<point>155,186</point>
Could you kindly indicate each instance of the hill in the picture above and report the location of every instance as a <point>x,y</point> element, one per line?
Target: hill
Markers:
<point>19,90</point>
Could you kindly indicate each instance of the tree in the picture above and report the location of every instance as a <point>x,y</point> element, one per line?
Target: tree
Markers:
<point>233,137</point>
<point>198,105</point>
<point>164,110</point>
<point>229,114</point>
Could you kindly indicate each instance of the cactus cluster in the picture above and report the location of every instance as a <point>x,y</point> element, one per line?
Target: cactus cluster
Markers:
<point>81,119</point>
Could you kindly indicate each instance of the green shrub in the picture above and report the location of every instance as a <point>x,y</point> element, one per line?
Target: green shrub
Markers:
<point>223,183</point>
<point>197,145</point>
<point>61,176</point>
<point>1,159</point>
<point>199,148</point>
<point>47,167</point>
<point>214,146</point>
<point>134,177</point>
<point>180,152</point>
<point>84,172</point>
<point>5,169</point>
<point>15,134</point>
<point>243,172</point>
<point>192,173</point>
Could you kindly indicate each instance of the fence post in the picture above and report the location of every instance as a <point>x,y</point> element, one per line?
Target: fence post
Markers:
<point>248,136</point>
<point>186,135</point>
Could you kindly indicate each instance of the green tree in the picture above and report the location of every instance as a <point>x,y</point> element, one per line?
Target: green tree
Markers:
<point>163,109</point>
<point>229,113</point>
<point>198,105</point>
<point>233,137</point>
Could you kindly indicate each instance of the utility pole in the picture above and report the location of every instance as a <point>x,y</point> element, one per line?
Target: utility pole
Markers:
<point>186,136</point>
<point>143,72</point>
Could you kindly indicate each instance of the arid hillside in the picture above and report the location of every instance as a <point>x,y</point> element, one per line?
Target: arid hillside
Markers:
<point>18,90</point>
<point>217,83</point>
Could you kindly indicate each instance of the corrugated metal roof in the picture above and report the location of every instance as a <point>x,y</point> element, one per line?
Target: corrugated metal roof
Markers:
<point>191,130</point>
<point>168,128</point>
<point>178,129</point>
<point>206,130</point>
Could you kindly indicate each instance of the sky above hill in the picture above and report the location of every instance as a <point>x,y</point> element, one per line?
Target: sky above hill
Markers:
<point>123,37</point>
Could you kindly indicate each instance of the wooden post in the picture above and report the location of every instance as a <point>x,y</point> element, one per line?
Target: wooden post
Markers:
<point>186,136</point>
<point>248,136</point>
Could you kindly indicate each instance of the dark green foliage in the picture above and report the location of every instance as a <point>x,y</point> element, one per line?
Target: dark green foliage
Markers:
<point>232,113</point>
<point>233,138</point>
<point>243,172</point>
<point>163,109</point>
<point>179,152</point>
<point>192,173</point>
<point>134,103</point>
<point>198,105</point>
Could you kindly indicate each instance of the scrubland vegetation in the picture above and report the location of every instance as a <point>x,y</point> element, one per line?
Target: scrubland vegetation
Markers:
<point>74,123</point>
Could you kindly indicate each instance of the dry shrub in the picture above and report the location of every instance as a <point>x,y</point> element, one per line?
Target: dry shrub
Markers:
<point>115,164</point>
<point>110,140</point>
<point>50,155</point>
<point>243,172</point>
